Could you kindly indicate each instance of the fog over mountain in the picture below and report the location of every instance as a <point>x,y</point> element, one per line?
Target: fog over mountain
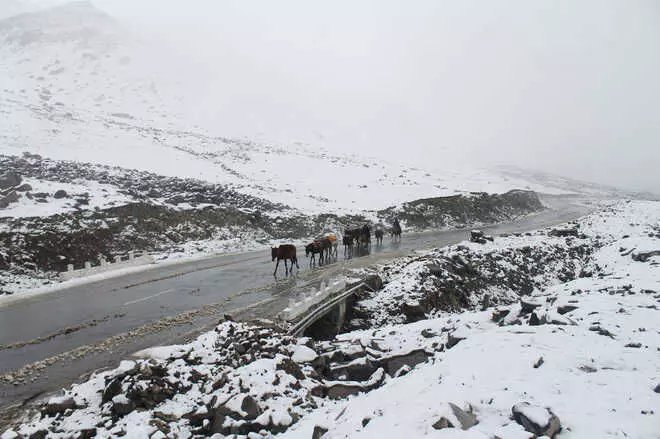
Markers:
<point>568,88</point>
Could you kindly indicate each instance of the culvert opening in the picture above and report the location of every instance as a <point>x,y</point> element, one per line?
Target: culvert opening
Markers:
<point>344,316</point>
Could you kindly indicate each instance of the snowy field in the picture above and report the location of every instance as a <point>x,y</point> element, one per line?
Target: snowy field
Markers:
<point>77,85</point>
<point>580,350</point>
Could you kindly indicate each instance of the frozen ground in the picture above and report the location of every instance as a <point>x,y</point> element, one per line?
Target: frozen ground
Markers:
<point>77,85</point>
<point>580,348</point>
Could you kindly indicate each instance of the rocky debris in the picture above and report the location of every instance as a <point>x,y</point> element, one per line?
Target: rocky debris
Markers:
<point>564,233</point>
<point>537,420</point>
<point>9,180</point>
<point>465,277</point>
<point>538,363</point>
<point>239,379</point>
<point>475,208</point>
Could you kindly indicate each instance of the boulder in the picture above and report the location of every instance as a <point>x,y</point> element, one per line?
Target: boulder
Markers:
<point>198,417</point>
<point>645,256</point>
<point>11,197</point>
<point>535,320</point>
<point>411,359</point>
<point>466,419</point>
<point>563,233</point>
<point>250,407</point>
<point>657,389</point>
<point>413,310</point>
<point>111,390</point>
<point>58,405</point>
<point>344,390</point>
<point>86,433</point>
<point>10,179</point>
<point>339,390</point>
<point>537,420</point>
<point>319,432</point>
<point>60,194</point>
<point>565,309</point>
<point>303,354</point>
<point>358,370</point>
<point>290,367</point>
<point>24,188</point>
<point>442,423</point>
<point>453,339</point>
<point>121,406</point>
<point>499,314</point>
<point>527,306</point>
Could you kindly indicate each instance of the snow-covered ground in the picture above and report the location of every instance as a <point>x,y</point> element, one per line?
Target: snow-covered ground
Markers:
<point>78,85</point>
<point>96,195</point>
<point>579,348</point>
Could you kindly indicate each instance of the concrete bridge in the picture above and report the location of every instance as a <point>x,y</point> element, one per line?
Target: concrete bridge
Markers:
<point>328,315</point>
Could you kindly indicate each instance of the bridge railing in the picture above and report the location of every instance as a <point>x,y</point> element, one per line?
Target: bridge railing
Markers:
<point>325,307</point>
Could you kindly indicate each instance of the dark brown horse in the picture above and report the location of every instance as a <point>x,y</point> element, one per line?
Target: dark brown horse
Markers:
<point>286,252</point>
<point>347,240</point>
<point>317,247</point>
<point>354,234</point>
<point>395,231</point>
<point>365,236</point>
<point>378,233</point>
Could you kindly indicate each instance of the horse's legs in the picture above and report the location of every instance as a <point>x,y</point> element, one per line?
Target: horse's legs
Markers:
<point>296,261</point>
<point>276,265</point>
<point>286,267</point>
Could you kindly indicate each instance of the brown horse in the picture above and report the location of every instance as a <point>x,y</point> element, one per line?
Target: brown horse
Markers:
<point>347,240</point>
<point>395,230</point>
<point>315,248</point>
<point>379,236</point>
<point>334,243</point>
<point>286,252</point>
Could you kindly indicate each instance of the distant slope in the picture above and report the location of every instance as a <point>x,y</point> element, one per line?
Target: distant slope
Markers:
<point>78,85</point>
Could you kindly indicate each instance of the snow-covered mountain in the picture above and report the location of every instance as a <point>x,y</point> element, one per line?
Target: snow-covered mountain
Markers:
<point>79,85</point>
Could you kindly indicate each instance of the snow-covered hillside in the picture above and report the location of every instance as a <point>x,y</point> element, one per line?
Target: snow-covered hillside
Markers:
<point>79,85</point>
<point>572,355</point>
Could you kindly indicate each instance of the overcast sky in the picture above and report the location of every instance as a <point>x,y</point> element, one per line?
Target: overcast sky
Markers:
<point>565,86</point>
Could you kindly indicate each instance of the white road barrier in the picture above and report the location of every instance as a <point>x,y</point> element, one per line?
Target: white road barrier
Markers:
<point>132,260</point>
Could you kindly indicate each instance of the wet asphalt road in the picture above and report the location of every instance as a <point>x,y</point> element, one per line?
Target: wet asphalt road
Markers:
<point>77,316</point>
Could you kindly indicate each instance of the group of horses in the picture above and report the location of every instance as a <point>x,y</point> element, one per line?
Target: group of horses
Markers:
<point>326,248</point>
